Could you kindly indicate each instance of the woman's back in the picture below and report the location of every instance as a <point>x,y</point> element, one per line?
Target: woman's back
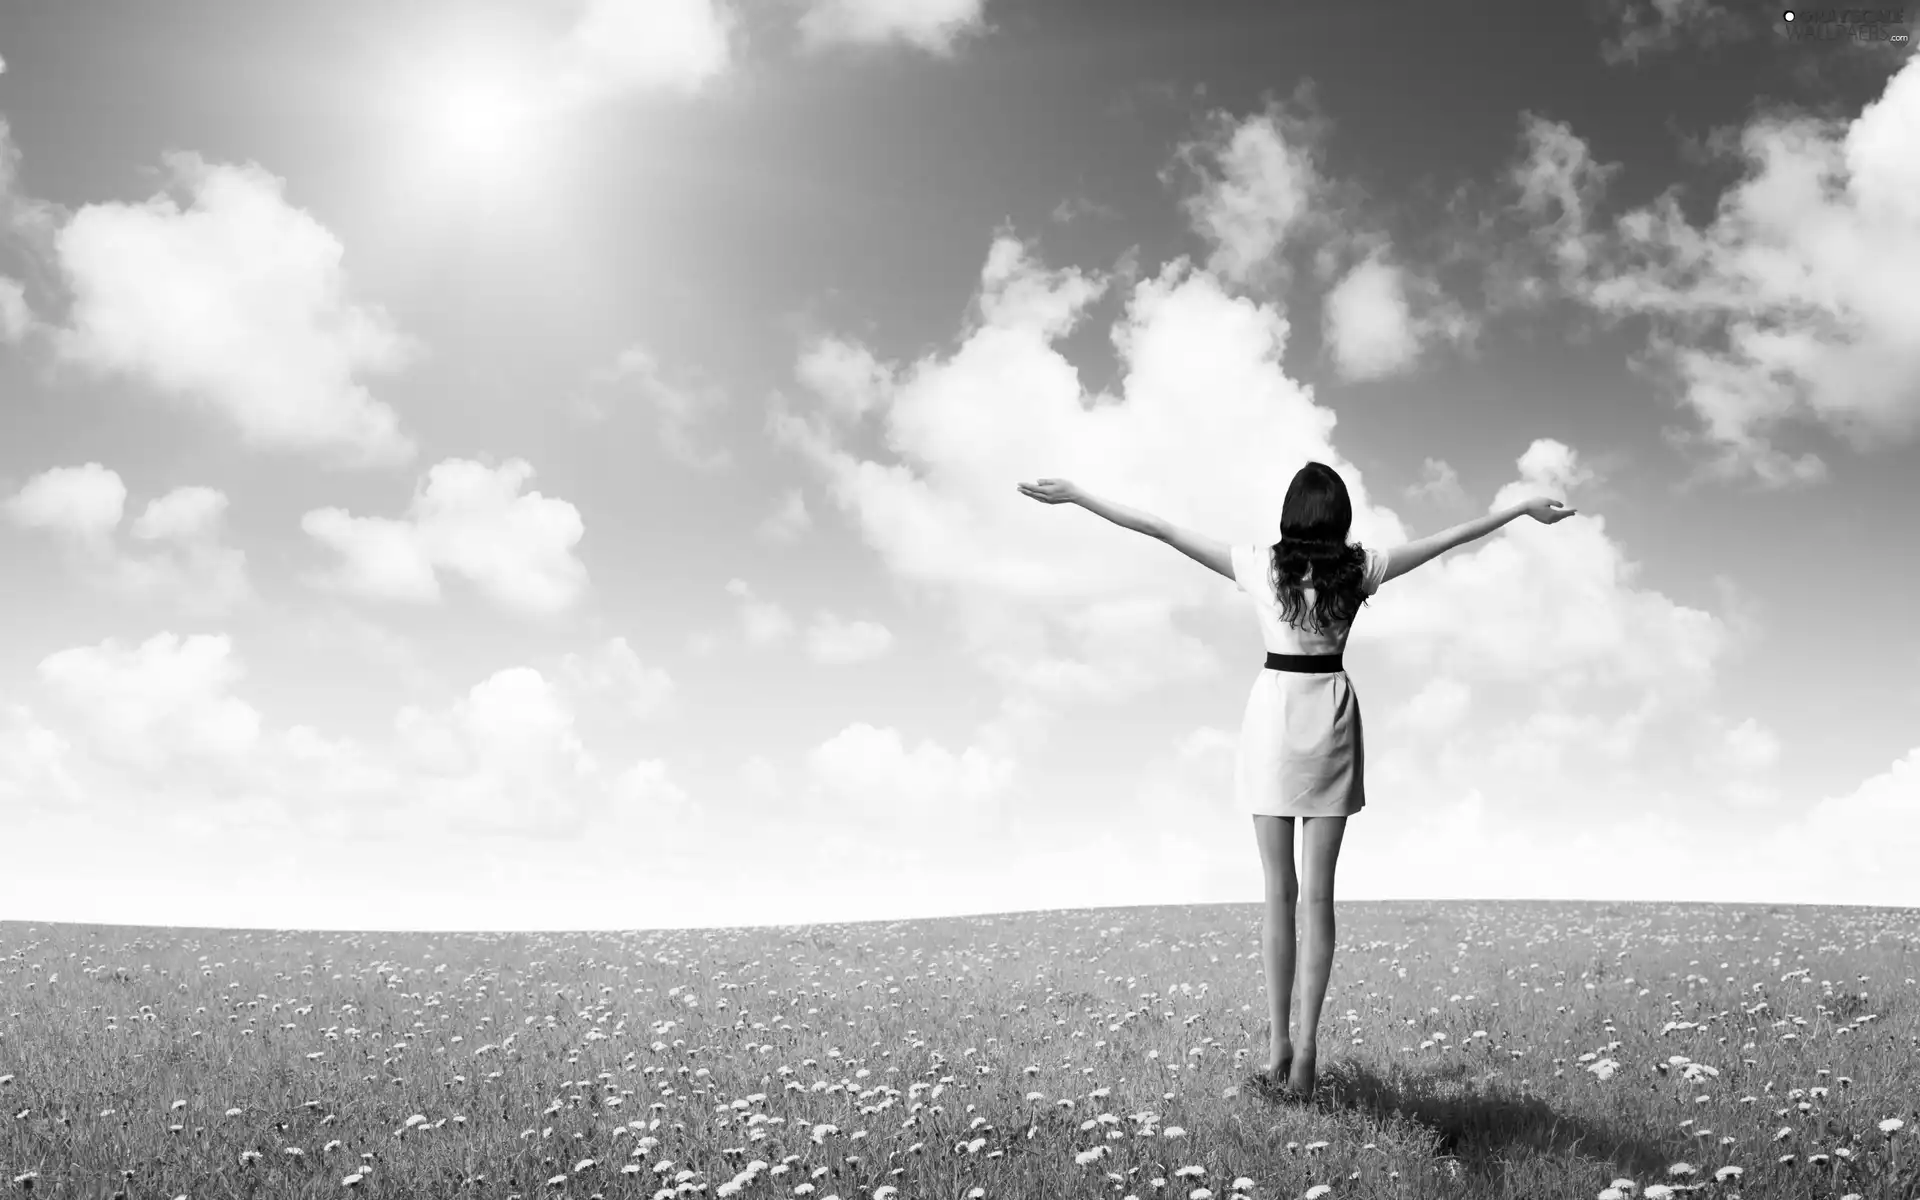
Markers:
<point>1250,571</point>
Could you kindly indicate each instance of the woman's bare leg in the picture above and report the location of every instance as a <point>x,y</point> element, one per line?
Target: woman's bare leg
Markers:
<point>1275,838</point>
<point>1320,839</point>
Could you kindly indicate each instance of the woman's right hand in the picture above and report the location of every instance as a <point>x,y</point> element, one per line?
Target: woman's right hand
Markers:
<point>1547,510</point>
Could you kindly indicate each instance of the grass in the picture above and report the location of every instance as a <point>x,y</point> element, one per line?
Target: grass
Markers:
<point>1468,1049</point>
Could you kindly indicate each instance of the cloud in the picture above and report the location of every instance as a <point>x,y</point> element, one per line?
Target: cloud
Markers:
<point>1259,199</point>
<point>185,561</point>
<point>1555,604</point>
<point>866,775</point>
<point>1557,186</point>
<point>621,47</point>
<point>677,407</point>
<point>764,622</point>
<point>836,642</point>
<point>236,304</point>
<point>1369,324</point>
<point>16,319</point>
<point>83,502</point>
<point>158,732</point>
<point>614,674</point>
<point>33,765</point>
<point>844,374</point>
<point>1647,27</point>
<point>789,521</point>
<point>1790,303</point>
<point>1438,482</point>
<point>1258,185</point>
<point>935,26</point>
<point>1865,842</point>
<point>1535,661</point>
<point>161,705</point>
<point>468,519</point>
<point>1439,706</point>
<point>1380,317</point>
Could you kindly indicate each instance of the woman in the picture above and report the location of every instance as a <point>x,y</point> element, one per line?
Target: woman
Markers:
<point>1300,753</point>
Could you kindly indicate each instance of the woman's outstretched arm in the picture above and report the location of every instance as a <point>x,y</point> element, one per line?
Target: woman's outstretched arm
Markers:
<point>1401,559</point>
<point>1202,549</point>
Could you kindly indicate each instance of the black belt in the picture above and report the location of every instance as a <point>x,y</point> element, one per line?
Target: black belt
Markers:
<point>1308,664</point>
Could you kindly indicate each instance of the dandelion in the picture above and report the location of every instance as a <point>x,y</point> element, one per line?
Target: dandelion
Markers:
<point>1728,1172</point>
<point>1242,1184</point>
<point>1657,1191</point>
<point>1316,1191</point>
<point>1173,1131</point>
<point>1892,1124</point>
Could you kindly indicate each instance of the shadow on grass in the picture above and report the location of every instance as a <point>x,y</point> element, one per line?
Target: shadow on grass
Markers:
<point>1483,1131</point>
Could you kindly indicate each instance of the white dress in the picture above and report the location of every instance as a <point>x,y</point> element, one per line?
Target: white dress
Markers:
<point>1301,751</point>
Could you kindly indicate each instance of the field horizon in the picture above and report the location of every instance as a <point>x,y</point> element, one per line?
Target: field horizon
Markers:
<point>1468,1049</point>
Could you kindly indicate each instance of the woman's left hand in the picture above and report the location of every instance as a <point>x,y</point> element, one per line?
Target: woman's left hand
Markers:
<point>1051,491</point>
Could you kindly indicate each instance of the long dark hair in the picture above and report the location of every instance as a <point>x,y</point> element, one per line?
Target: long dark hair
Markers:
<point>1314,520</point>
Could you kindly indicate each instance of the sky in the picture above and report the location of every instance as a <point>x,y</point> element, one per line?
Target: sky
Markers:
<point>508,465</point>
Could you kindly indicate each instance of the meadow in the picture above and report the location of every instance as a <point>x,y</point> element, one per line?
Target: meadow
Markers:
<point>1469,1049</point>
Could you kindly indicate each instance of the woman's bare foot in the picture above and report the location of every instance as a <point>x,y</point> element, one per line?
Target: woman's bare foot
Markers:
<point>1302,1076</point>
<point>1280,1062</point>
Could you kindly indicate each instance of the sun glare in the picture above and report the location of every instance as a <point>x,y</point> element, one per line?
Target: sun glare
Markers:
<point>473,122</point>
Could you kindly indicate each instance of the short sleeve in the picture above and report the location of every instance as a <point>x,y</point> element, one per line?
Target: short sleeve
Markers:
<point>1374,573</point>
<point>1247,567</point>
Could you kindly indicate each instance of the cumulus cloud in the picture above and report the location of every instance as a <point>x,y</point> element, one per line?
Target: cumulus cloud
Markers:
<point>163,704</point>
<point>614,674</point>
<point>1380,316</point>
<point>182,558</point>
<point>1550,603</point>
<point>837,642</point>
<point>868,774</point>
<point>1369,324</point>
<point>83,502</point>
<point>1643,28</point>
<point>763,622</point>
<point>621,47</point>
<point>787,522</point>
<point>1534,661</point>
<point>238,304</point>
<point>16,318</point>
<point>935,26</point>
<point>1260,200</point>
<point>1856,869</point>
<point>1258,184</point>
<point>844,374</point>
<point>1027,579</point>
<point>160,731</point>
<point>1438,482</point>
<point>678,407</point>
<point>1790,303</point>
<point>467,519</point>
